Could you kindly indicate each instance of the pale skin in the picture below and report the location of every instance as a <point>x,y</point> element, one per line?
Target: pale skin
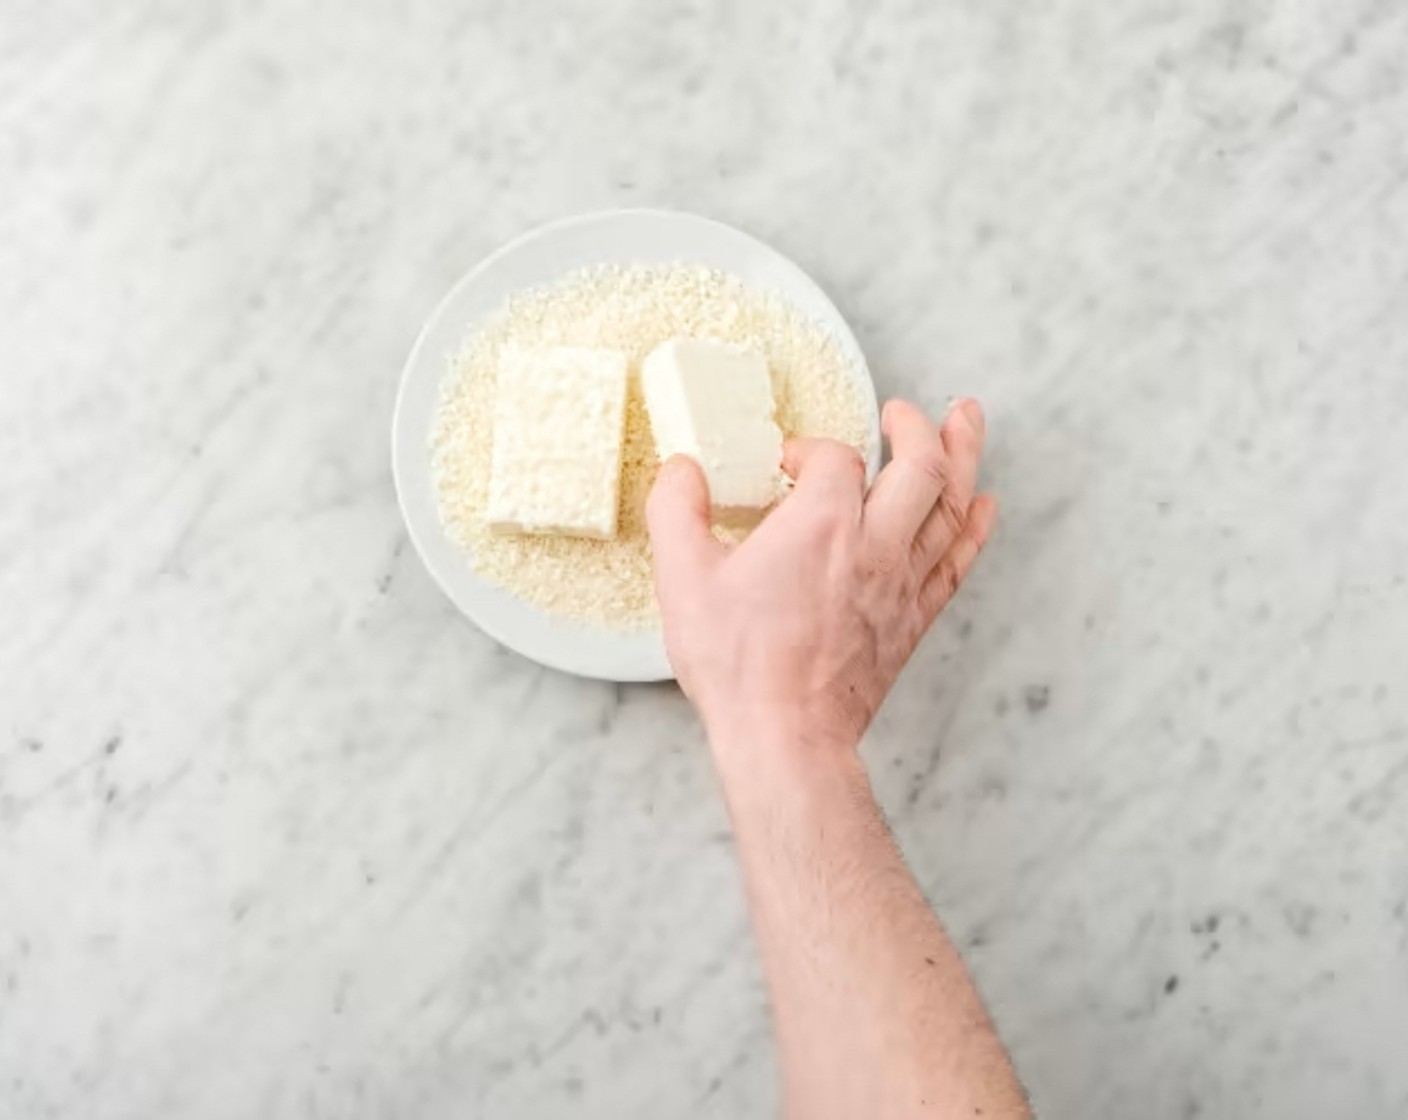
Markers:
<point>787,644</point>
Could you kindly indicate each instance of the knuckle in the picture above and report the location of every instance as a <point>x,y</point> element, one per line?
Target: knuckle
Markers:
<point>931,461</point>
<point>944,525</point>
<point>952,517</point>
<point>944,581</point>
<point>841,456</point>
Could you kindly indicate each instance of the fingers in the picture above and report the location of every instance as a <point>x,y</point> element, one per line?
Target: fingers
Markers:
<point>826,472</point>
<point>963,432</point>
<point>678,516</point>
<point>955,564</point>
<point>909,486</point>
<point>924,493</point>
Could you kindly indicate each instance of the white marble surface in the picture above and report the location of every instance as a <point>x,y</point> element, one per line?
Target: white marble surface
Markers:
<point>281,836</point>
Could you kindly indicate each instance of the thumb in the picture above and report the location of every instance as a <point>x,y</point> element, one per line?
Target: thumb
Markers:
<point>678,516</point>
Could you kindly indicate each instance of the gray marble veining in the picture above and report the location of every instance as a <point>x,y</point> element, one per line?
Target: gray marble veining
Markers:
<point>281,836</point>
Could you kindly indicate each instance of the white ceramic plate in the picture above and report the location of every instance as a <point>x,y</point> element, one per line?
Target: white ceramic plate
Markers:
<point>538,258</point>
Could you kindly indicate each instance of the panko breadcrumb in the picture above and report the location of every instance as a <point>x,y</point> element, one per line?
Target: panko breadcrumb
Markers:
<point>634,309</point>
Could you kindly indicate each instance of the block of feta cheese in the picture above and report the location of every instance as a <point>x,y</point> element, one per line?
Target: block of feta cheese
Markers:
<point>713,402</point>
<point>559,422</point>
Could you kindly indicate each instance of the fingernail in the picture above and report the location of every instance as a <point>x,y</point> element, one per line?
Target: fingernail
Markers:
<point>973,413</point>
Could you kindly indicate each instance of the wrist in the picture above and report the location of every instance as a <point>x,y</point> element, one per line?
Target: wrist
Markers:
<point>766,750</point>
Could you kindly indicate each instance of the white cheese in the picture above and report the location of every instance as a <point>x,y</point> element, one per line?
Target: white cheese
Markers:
<point>559,419</point>
<point>713,402</point>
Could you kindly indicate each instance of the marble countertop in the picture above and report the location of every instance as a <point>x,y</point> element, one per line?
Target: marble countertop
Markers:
<point>283,836</point>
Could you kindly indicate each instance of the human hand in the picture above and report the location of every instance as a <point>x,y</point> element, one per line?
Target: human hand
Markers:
<point>803,628</point>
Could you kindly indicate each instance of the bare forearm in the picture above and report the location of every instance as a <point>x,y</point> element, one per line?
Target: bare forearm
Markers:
<point>787,645</point>
<point>875,1013</point>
